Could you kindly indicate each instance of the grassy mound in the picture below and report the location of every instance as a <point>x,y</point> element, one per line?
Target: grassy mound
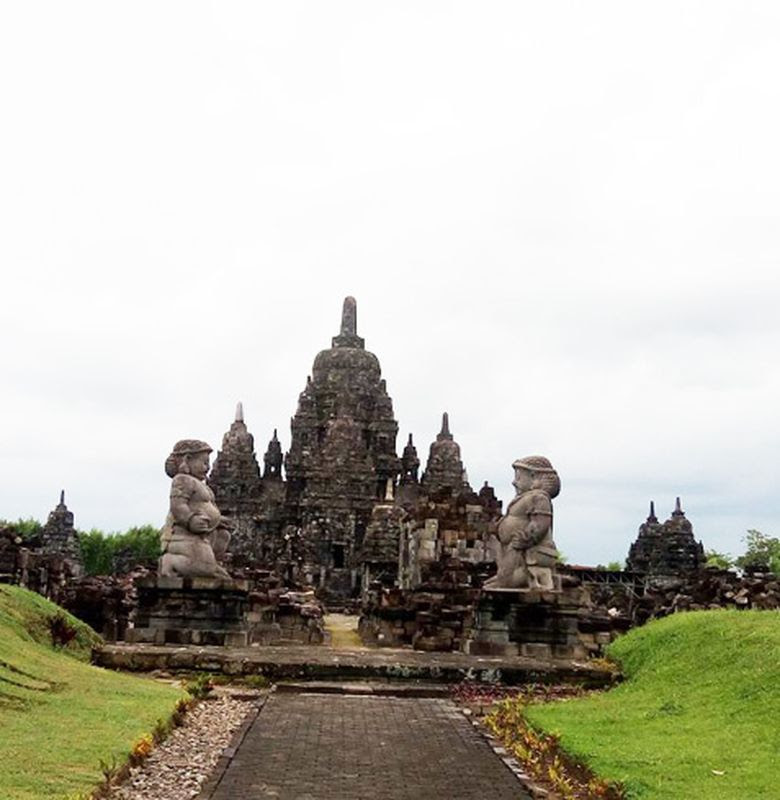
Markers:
<point>59,716</point>
<point>696,719</point>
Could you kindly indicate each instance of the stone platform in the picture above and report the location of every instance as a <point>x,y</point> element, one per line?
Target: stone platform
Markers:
<point>201,611</point>
<point>324,664</point>
<point>532,623</point>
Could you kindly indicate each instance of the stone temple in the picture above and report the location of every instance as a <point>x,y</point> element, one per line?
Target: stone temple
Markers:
<point>60,539</point>
<point>307,513</point>
<point>667,548</point>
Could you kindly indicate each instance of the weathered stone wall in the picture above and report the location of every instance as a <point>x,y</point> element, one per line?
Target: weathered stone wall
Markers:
<point>654,597</point>
<point>429,617</point>
<point>278,616</point>
<point>44,573</point>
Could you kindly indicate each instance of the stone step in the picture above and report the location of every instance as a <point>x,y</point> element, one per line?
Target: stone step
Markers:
<point>313,663</point>
<point>368,689</point>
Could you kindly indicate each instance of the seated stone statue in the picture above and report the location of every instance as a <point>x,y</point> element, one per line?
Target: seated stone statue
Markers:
<point>195,533</point>
<point>527,553</point>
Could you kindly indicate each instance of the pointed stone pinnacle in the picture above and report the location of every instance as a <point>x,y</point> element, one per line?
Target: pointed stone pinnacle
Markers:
<point>677,507</point>
<point>274,438</point>
<point>349,317</point>
<point>62,497</point>
<point>240,412</point>
<point>410,442</point>
<point>445,425</point>
<point>389,491</point>
<point>651,515</point>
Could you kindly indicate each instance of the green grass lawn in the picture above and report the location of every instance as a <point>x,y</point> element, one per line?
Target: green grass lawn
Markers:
<point>702,695</point>
<point>60,716</point>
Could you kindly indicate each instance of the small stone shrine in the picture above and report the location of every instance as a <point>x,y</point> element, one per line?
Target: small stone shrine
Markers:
<point>525,609</point>
<point>252,502</point>
<point>59,538</point>
<point>444,470</point>
<point>193,600</point>
<point>666,549</point>
<point>445,518</point>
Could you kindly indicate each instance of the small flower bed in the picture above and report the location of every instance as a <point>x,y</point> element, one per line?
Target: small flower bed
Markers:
<point>541,756</point>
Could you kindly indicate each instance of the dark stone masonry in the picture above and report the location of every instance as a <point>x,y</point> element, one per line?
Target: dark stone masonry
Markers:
<point>59,537</point>
<point>666,549</point>
<point>340,508</point>
<point>205,611</point>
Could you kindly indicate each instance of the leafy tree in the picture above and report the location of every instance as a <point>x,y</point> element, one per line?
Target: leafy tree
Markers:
<point>103,554</point>
<point>762,551</point>
<point>719,560</point>
<point>96,552</point>
<point>25,528</point>
<point>143,541</point>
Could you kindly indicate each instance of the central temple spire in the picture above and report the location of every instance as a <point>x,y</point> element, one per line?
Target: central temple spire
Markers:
<point>445,428</point>
<point>348,336</point>
<point>349,317</point>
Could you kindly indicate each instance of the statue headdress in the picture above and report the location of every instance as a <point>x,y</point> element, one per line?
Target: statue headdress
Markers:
<point>545,476</point>
<point>185,447</point>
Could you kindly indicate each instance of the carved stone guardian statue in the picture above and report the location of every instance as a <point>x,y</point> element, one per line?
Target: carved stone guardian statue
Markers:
<point>195,533</point>
<point>527,553</point>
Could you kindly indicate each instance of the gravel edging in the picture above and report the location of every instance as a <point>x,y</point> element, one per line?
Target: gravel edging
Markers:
<point>223,762</point>
<point>180,767</point>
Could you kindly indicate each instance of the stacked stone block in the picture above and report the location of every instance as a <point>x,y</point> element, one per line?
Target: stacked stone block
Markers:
<point>202,611</point>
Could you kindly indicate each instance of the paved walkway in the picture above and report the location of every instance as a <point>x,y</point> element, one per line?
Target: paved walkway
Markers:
<point>346,747</point>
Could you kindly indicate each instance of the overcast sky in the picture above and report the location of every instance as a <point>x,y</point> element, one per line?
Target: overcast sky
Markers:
<point>559,219</point>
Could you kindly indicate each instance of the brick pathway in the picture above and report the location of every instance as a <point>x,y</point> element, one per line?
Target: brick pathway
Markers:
<point>345,747</point>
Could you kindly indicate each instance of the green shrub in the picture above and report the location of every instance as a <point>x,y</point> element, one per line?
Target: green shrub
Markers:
<point>199,686</point>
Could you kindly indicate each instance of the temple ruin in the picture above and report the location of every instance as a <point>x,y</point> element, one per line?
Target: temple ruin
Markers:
<point>309,512</point>
<point>58,537</point>
<point>667,548</point>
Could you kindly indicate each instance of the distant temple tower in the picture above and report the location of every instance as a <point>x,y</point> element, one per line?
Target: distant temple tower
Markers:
<point>666,549</point>
<point>235,481</point>
<point>444,470</point>
<point>59,537</point>
<point>341,456</point>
